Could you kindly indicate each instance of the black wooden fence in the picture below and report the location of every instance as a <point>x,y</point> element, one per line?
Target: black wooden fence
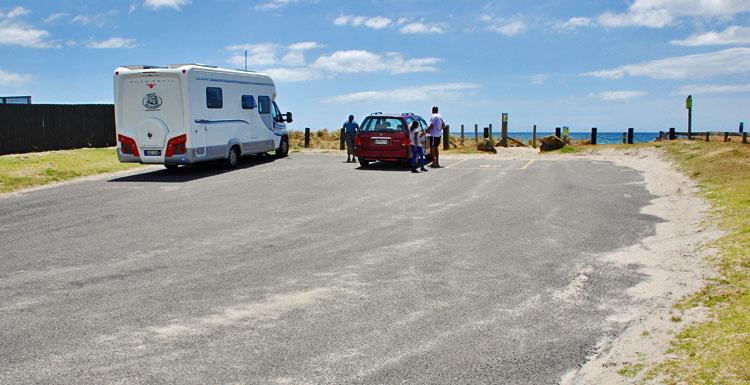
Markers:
<point>46,127</point>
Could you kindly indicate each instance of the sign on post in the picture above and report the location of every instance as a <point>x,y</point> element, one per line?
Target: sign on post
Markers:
<point>689,102</point>
<point>566,131</point>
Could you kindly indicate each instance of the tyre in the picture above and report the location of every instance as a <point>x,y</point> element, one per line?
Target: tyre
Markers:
<point>171,167</point>
<point>364,163</point>
<point>283,150</point>
<point>233,160</point>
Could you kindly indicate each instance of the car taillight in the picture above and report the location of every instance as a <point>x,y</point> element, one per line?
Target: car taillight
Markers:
<point>127,145</point>
<point>405,142</point>
<point>176,145</point>
<point>357,140</point>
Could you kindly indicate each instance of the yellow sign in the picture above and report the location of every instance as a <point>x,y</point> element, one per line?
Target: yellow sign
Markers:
<point>505,118</point>
<point>689,102</point>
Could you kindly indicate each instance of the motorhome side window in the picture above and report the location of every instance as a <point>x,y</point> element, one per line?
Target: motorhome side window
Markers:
<point>248,102</point>
<point>264,105</point>
<point>214,97</point>
<point>276,113</point>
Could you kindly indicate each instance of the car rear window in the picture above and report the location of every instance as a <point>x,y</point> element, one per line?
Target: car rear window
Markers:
<point>383,125</point>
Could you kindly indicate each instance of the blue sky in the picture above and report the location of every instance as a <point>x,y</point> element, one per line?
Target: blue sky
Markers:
<point>583,63</point>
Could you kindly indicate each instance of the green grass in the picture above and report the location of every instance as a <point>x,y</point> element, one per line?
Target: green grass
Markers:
<point>28,170</point>
<point>631,370</point>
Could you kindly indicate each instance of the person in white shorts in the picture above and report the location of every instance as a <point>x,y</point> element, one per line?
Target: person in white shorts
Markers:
<point>436,132</point>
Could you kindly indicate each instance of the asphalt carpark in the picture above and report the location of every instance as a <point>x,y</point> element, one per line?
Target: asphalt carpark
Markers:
<point>309,270</point>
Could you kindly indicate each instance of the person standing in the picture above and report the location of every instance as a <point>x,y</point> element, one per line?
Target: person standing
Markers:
<point>417,151</point>
<point>436,133</point>
<point>350,132</point>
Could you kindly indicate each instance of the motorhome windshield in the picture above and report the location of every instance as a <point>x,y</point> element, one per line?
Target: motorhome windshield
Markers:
<point>383,125</point>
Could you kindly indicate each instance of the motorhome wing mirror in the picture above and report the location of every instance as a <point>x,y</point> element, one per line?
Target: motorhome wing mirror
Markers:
<point>289,117</point>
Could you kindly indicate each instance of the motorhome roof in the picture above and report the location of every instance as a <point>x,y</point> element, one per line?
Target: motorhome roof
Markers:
<point>187,67</point>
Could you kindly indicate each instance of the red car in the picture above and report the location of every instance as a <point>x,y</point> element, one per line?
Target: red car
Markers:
<point>385,137</point>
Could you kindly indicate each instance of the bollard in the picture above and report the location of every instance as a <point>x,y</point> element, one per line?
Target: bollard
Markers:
<point>486,133</point>
<point>490,129</point>
<point>672,134</point>
<point>462,134</point>
<point>593,135</point>
<point>447,137</point>
<point>708,136</point>
<point>726,137</point>
<point>631,133</point>
<point>476,132</point>
<point>307,137</point>
<point>533,137</point>
<point>342,138</point>
<point>557,132</point>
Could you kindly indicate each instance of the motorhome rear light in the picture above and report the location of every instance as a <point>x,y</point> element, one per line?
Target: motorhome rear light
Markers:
<point>176,145</point>
<point>128,145</point>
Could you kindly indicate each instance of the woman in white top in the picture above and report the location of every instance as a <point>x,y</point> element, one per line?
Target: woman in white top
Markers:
<point>415,140</point>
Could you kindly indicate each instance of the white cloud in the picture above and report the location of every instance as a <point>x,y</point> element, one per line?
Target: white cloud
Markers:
<point>733,35</point>
<point>731,61</point>
<point>539,79</point>
<point>661,13</point>
<point>506,27</point>
<point>411,94</point>
<point>13,79</point>
<point>377,22</point>
<point>419,27</point>
<point>276,4</point>
<point>359,61</point>
<point>55,16</point>
<point>703,89</point>
<point>262,54</point>
<point>303,46</point>
<point>158,4</point>
<point>575,22</point>
<point>292,74</point>
<point>618,96</point>
<point>15,32</point>
<point>113,43</point>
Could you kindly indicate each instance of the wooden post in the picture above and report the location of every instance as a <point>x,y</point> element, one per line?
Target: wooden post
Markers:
<point>533,137</point>
<point>486,133</point>
<point>742,127</point>
<point>447,137</point>
<point>462,134</point>
<point>631,133</point>
<point>708,136</point>
<point>689,106</point>
<point>490,131</point>
<point>744,137</point>
<point>504,131</point>
<point>476,132</point>
<point>593,135</point>
<point>342,138</point>
<point>557,132</point>
<point>726,137</point>
<point>624,137</point>
<point>307,137</point>
<point>672,135</point>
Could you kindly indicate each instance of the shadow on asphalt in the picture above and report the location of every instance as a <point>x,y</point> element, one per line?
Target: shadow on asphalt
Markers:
<point>193,172</point>
<point>385,166</point>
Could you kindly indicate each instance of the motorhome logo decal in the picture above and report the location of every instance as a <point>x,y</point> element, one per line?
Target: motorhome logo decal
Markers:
<point>152,101</point>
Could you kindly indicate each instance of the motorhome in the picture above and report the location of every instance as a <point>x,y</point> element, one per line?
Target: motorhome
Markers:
<point>185,114</point>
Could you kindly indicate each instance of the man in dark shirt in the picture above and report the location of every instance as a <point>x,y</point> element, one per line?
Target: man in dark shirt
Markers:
<point>350,131</point>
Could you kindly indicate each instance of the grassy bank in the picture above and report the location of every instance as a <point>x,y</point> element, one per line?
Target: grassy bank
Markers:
<point>718,351</point>
<point>28,170</point>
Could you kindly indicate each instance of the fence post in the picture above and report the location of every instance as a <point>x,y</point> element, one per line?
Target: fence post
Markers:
<point>672,134</point>
<point>476,132</point>
<point>307,137</point>
<point>624,137</point>
<point>557,132</point>
<point>504,130</point>
<point>447,137</point>
<point>708,136</point>
<point>490,131</point>
<point>631,133</point>
<point>486,133</point>
<point>533,137</point>
<point>341,139</point>
<point>593,135</point>
<point>726,137</point>
<point>742,127</point>
<point>744,137</point>
<point>462,134</point>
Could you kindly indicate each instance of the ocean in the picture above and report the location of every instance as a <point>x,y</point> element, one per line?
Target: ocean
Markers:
<point>601,137</point>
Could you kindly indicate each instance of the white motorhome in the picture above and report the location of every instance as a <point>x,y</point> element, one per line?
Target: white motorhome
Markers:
<point>184,114</point>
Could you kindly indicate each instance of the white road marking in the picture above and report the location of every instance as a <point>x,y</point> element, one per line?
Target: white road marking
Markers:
<point>528,164</point>
<point>456,164</point>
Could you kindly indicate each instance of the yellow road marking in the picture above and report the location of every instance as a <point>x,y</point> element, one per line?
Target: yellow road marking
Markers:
<point>456,164</point>
<point>527,164</point>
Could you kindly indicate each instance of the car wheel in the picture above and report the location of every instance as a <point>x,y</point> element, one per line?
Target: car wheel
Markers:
<point>364,163</point>
<point>233,160</point>
<point>171,167</point>
<point>283,150</point>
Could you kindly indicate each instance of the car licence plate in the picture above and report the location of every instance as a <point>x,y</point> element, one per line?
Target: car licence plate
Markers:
<point>384,142</point>
<point>152,152</point>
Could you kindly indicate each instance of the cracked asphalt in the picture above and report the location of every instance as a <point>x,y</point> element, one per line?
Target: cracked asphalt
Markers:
<point>308,270</point>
